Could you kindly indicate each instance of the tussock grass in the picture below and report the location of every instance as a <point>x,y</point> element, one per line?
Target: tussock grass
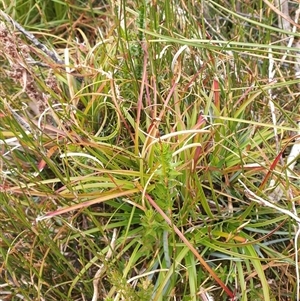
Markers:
<point>139,154</point>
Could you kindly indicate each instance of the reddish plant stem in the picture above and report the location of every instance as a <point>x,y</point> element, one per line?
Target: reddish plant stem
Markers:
<point>190,246</point>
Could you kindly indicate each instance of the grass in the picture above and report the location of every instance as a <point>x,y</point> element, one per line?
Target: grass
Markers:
<point>145,165</point>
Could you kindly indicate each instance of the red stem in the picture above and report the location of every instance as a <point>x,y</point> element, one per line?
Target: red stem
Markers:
<point>190,246</point>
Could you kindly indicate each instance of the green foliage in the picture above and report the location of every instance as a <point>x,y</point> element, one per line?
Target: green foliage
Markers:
<point>140,138</point>
<point>167,177</point>
<point>142,293</point>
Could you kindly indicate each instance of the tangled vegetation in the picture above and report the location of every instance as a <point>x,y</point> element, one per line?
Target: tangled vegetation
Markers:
<point>149,150</point>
